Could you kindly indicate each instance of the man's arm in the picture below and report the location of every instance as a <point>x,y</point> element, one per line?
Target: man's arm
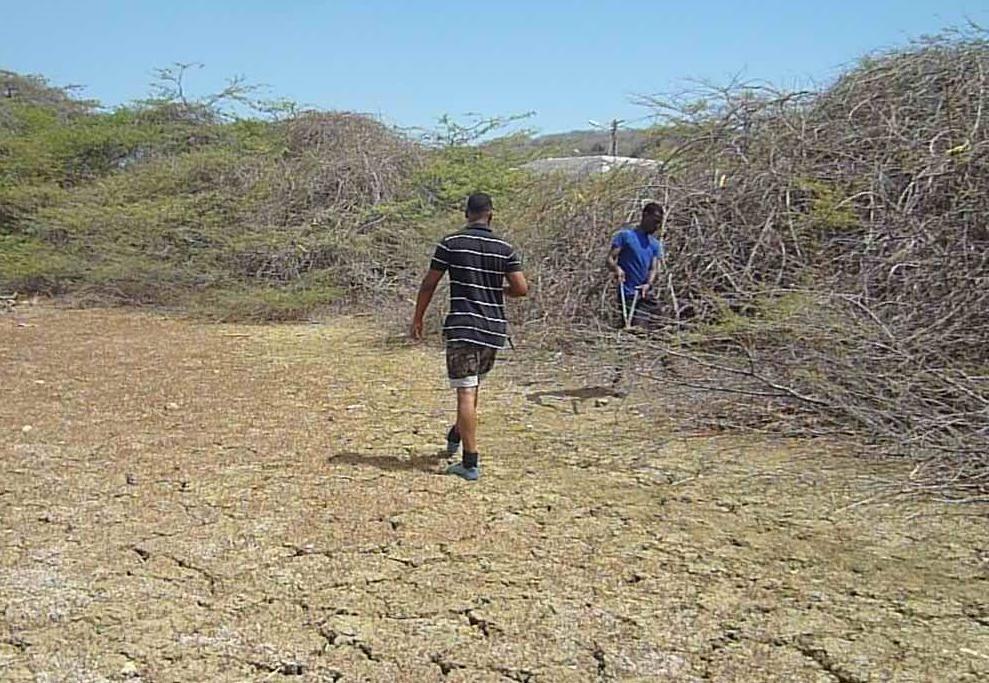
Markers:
<point>518,286</point>
<point>426,291</point>
<point>612,260</point>
<point>653,274</point>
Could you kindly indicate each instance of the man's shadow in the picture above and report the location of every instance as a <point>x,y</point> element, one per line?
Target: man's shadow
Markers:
<point>390,463</point>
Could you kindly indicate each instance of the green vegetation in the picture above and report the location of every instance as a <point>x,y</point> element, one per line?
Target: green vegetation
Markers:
<point>829,208</point>
<point>175,203</point>
<point>181,203</point>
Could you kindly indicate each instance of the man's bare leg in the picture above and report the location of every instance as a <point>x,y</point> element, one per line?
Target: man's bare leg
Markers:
<point>467,418</point>
<point>467,468</point>
<point>453,438</point>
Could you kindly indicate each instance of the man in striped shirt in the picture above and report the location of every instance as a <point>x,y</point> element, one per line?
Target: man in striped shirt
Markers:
<point>483,268</point>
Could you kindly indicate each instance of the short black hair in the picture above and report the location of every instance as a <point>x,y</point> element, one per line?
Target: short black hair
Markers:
<point>478,203</point>
<point>653,209</point>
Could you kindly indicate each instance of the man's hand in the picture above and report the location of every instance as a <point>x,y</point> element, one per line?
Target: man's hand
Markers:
<point>644,289</point>
<point>426,290</point>
<point>619,275</point>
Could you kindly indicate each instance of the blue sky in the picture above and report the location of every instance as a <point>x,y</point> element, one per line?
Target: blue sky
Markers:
<point>410,62</point>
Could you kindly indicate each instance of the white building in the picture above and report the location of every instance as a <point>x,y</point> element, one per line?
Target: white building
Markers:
<point>590,165</point>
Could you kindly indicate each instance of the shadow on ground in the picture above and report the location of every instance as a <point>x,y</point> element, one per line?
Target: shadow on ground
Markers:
<point>389,463</point>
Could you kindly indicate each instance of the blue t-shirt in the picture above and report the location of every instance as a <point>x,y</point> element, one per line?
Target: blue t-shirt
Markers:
<point>636,256</point>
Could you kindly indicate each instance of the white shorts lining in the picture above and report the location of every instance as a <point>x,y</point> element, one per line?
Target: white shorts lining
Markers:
<point>468,382</point>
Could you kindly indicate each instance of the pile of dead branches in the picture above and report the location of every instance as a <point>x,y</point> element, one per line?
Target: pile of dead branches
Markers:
<point>827,249</point>
<point>322,194</point>
<point>343,162</point>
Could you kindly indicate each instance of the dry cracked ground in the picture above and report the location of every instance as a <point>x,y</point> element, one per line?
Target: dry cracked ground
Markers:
<point>190,502</point>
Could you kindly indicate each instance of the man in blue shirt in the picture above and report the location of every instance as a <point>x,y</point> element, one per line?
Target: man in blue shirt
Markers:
<point>634,259</point>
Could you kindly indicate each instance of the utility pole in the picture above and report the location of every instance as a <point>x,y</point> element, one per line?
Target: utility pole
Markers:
<point>614,136</point>
<point>615,123</point>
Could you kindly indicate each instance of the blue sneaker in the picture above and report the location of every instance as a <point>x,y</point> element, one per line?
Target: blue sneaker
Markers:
<point>468,473</point>
<point>452,441</point>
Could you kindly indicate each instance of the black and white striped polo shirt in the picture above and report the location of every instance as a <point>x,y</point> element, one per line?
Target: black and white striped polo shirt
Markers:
<point>477,262</point>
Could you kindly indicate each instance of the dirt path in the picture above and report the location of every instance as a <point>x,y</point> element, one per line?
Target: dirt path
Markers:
<point>182,502</point>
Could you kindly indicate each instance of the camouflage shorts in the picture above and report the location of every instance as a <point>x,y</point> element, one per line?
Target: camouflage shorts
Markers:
<point>467,363</point>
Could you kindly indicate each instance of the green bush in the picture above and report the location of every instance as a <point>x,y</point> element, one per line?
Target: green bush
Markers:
<point>30,265</point>
<point>829,207</point>
<point>39,146</point>
<point>453,173</point>
<point>266,303</point>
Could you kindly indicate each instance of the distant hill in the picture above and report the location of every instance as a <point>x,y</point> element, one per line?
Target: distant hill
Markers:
<point>636,142</point>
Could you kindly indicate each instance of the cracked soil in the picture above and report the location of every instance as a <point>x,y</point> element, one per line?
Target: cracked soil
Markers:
<point>190,502</point>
